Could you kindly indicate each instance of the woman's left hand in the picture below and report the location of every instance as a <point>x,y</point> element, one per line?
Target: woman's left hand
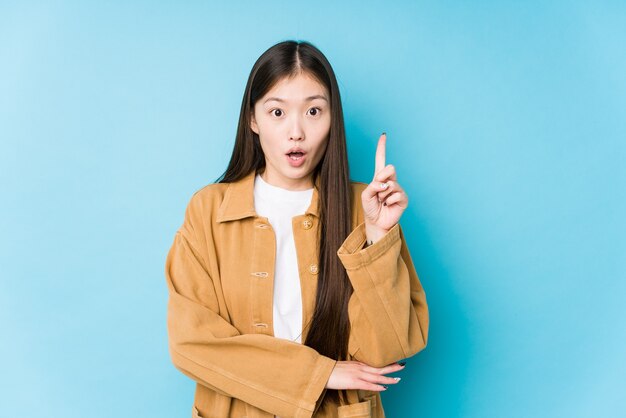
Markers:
<point>383,199</point>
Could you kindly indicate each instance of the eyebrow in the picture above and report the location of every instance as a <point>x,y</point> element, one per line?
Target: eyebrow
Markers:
<point>308,99</point>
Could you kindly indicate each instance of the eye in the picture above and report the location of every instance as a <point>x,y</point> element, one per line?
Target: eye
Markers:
<point>276,112</point>
<point>314,111</point>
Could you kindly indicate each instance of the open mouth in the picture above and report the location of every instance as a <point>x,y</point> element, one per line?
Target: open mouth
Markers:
<point>295,155</point>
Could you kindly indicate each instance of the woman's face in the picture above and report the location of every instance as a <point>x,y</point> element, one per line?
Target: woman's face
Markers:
<point>294,115</point>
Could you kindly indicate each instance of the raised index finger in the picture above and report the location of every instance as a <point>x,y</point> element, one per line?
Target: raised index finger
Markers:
<point>380,153</point>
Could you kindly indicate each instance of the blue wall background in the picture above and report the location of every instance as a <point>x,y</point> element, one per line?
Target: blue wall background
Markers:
<point>505,121</point>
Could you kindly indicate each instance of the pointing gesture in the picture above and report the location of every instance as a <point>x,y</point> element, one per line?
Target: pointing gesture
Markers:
<point>383,199</point>
<point>380,153</point>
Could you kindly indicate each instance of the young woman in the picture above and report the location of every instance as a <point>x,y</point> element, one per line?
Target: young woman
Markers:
<point>289,284</point>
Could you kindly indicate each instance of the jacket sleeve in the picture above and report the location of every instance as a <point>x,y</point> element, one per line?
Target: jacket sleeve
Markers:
<point>388,311</point>
<point>276,375</point>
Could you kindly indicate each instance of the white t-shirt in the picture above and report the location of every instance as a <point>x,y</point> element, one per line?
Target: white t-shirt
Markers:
<point>280,206</point>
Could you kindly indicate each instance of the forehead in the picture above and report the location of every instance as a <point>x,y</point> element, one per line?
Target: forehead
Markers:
<point>296,88</point>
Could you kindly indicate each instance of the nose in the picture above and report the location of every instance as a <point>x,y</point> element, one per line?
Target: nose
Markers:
<point>296,131</point>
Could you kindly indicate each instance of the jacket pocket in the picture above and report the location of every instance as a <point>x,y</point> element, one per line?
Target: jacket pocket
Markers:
<point>377,410</point>
<point>356,410</point>
<point>373,401</point>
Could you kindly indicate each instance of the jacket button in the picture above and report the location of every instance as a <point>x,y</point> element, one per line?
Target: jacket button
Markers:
<point>307,224</point>
<point>313,268</point>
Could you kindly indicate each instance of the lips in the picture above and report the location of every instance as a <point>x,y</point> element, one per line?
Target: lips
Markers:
<point>296,151</point>
<point>296,156</point>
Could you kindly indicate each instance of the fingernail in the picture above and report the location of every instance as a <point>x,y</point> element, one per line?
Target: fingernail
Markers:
<point>402,363</point>
<point>385,133</point>
<point>397,379</point>
<point>383,185</point>
<point>385,387</point>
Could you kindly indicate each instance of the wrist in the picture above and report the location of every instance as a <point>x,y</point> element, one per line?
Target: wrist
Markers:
<point>373,234</point>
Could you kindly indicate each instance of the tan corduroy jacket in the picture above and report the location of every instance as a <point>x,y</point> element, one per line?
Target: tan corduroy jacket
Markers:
<point>219,273</point>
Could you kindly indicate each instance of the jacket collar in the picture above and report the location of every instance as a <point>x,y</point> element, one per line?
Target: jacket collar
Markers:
<point>238,200</point>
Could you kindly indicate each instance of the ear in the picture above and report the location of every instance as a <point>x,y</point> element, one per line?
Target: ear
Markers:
<point>253,125</point>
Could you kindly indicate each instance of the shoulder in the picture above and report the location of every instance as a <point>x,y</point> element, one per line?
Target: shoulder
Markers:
<point>210,192</point>
<point>205,201</point>
<point>357,207</point>
<point>357,187</point>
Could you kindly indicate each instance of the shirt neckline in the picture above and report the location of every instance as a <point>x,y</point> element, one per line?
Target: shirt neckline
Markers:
<point>270,191</point>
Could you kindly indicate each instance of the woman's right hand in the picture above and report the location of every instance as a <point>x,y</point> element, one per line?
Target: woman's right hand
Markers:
<point>358,375</point>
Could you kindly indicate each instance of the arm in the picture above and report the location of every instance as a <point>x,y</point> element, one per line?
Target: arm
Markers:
<point>388,310</point>
<point>279,376</point>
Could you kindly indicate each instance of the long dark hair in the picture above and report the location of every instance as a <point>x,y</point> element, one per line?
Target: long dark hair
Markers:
<point>329,329</point>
